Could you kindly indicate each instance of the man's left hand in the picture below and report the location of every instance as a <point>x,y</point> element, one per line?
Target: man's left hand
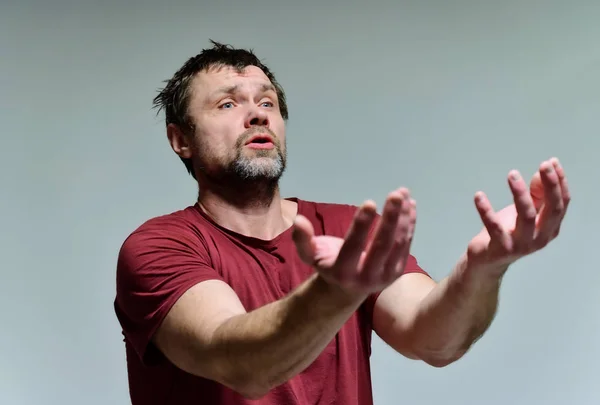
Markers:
<point>524,227</point>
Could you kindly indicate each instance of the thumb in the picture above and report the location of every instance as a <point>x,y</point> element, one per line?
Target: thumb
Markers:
<point>303,235</point>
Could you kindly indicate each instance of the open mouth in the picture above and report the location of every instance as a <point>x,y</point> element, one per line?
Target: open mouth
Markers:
<point>260,140</point>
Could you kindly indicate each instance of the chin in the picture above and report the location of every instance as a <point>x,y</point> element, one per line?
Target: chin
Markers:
<point>267,168</point>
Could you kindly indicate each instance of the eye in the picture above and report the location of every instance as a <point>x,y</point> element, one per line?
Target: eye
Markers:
<point>226,105</point>
<point>267,104</point>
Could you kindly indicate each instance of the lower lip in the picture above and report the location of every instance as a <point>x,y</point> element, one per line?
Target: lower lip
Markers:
<point>266,145</point>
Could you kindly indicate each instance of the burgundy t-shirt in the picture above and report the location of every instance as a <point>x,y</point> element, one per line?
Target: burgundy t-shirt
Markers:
<point>167,255</point>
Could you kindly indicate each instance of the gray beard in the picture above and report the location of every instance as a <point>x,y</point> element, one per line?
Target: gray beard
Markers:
<point>248,181</point>
<point>258,168</point>
<point>245,175</point>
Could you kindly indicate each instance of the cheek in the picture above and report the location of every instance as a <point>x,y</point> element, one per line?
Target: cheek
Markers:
<point>279,128</point>
<point>214,148</point>
<point>207,151</point>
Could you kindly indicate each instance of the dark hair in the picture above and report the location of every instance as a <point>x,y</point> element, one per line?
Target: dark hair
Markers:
<point>174,97</point>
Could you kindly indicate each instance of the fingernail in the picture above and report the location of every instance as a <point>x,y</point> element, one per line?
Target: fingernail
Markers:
<point>367,211</point>
<point>514,175</point>
<point>556,162</point>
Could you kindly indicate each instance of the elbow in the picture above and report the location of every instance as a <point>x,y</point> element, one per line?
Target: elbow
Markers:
<point>435,359</point>
<point>252,391</point>
<point>440,359</point>
<point>436,354</point>
<point>439,362</point>
<point>249,385</point>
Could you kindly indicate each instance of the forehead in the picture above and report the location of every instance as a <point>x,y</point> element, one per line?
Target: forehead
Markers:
<point>211,81</point>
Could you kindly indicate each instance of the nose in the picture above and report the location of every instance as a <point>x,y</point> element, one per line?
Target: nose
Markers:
<point>257,117</point>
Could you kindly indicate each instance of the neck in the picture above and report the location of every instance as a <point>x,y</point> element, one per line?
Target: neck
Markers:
<point>255,210</point>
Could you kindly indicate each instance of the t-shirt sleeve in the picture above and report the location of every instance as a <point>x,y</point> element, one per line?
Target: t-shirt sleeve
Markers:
<point>155,266</point>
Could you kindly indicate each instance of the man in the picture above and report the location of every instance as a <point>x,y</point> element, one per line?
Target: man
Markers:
<point>248,297</point>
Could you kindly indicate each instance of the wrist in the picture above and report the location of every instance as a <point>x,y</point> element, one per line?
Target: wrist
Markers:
<point>479,275</point>
<point>338,294</point>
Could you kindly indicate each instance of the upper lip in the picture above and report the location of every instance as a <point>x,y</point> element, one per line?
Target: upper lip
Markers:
<point>265,137</point>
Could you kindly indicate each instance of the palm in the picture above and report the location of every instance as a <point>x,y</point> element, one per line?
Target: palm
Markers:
<point>364,261</point>
<point>525,226</point>
<point>327,249</point>
<point>483,246</point>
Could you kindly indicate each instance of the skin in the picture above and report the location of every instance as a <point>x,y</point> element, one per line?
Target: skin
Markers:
<point>209,333</point>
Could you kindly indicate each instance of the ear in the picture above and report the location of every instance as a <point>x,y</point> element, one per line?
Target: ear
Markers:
<point>179,142</point>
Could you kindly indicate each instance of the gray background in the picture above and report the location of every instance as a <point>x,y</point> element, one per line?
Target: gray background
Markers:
<point>444,97</point>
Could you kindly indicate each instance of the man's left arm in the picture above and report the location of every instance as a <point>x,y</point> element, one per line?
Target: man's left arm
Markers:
<point>436,323</point>
<point>439,322</point>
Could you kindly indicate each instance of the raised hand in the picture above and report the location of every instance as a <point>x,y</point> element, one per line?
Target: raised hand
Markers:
<point>526,226</point>
<point>362,264</point>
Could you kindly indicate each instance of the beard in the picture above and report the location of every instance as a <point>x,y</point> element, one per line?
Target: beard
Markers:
<point>249,175</point>
<point>263,165</point>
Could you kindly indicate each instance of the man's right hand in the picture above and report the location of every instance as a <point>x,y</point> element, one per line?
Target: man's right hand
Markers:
<point>360,265</point>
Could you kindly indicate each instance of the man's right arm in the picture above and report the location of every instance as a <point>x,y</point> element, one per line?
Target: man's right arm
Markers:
<point>209,334</point>
<point>167,292</point>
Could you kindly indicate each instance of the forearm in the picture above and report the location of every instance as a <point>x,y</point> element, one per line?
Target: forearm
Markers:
<point>266,347</point>
<point>455,314</point>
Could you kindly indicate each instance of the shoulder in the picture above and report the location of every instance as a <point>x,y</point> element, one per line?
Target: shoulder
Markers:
<point>175,234</point>
<point>157,263</point>
<point>178,225</point>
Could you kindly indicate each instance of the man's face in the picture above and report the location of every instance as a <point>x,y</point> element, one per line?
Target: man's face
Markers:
<point>239,130</point>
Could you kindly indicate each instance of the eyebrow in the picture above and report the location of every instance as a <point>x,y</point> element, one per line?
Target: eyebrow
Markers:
<point>268,87</point>
<point>230,90</point>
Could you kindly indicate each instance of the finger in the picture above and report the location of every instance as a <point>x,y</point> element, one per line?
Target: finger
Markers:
<point>490,221</point>
<point>526,212</point>
<point>394,265</point>
<point>566,193</point>
<point>552,211</point>
<point>412,219</point>
<point>356,237</point>
<point>303,236</point>
<point>562,179</point>
<point>384,235</point>
<point>536,190</point>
